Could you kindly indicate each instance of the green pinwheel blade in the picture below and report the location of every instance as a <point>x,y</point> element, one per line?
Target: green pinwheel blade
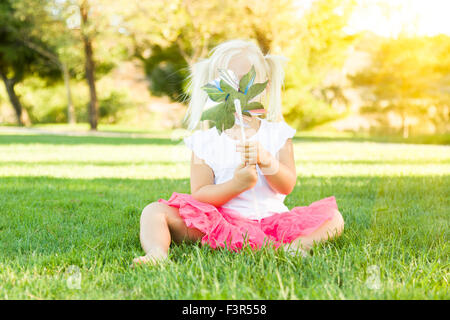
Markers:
<point>214,93</point>
<point>247,80</point>
<point>256,89</point>
<point>219,116</point>
<point>253,106</point>
<point>212,113</point>
<point>226,122</point>
<point>226,87</point>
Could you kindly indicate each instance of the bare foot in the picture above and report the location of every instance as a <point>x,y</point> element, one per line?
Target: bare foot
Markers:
<point>149,260</point>
<point>294,250</point>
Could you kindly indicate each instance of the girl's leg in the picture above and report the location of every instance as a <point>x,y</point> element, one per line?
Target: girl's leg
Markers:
<point>329,230</point>
<point>160,224</point>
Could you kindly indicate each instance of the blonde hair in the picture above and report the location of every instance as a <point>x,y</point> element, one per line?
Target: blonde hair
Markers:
<point>267,67</point>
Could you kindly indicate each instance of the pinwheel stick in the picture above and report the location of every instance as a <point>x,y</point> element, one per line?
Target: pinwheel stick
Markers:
<point>237,106</point>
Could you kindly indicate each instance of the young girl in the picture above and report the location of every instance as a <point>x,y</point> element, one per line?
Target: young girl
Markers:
<point>238,189</point>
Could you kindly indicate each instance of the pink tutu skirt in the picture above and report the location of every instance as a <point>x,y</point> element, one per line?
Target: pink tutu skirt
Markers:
<point>226,228</point>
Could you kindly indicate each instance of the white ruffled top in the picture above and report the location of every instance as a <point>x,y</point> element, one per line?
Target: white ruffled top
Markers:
<point>219,152</point>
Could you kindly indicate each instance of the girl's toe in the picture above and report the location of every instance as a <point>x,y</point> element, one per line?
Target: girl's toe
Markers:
<point>139,261</point>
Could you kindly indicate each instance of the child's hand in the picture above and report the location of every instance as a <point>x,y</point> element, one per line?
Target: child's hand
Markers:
<point>253,153</point>
<point>245,176</point>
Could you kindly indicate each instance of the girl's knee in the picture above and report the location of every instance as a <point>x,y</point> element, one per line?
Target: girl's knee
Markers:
<point>152,209</point>
<point>337,223</point>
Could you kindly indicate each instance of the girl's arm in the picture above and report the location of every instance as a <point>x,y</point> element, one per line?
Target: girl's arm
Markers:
<point>203,188</point>
<point>279,171</point>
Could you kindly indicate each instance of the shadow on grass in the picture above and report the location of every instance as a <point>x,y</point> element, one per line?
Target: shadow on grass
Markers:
<point>74,140</point>
<point>430,139</point>
<point>93,163</point>
<point>149,162</point>
<point>7,139</point>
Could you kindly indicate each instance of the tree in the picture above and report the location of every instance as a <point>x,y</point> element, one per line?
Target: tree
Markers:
<point>17,59</point>
<point>89,63</point>
<point>408,76</point>
<point>88,34</point>
<point>48,28</point>
<point>169,38</point>
<point>319,46</point>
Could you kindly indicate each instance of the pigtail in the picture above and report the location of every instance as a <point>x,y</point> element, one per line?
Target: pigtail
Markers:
<point>276,76</point>
<point>198,78</point>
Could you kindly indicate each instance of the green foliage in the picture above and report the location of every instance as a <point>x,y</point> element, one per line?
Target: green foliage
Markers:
<point>308,110</point>
<point>17,60</point>
<point>48,103</point>
<point>166,70</point>
<point>408,77</point>
<point>171,47</point>
<point>111,106</point>
<point>183,32</point>
<point>320,46</point>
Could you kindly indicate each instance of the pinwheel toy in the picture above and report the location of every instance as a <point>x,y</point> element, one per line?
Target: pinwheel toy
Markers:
<point>225,91</point>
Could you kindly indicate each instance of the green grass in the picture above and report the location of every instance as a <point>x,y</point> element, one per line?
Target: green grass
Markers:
<point>76,201</point>
<point>322,135</point>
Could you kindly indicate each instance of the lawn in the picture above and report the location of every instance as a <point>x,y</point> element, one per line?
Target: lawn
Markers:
<point>70,208</point>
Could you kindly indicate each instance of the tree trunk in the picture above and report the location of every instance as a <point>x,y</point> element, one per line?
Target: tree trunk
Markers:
<point>13,98</point>
<point>70,108</point>
<point>405,131</point>
<point>89,67</point>
<point>405,126</point>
